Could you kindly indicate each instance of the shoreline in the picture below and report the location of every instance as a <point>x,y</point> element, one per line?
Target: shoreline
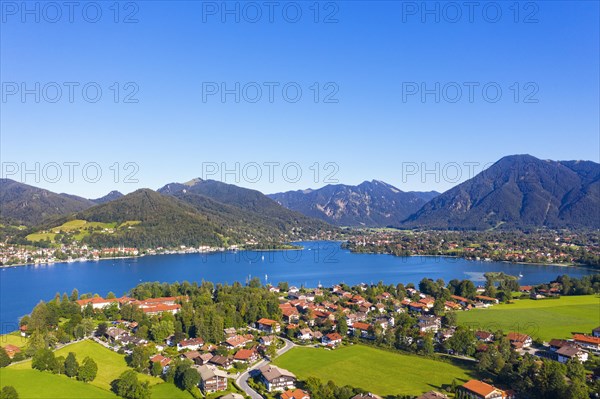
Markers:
<point>302,248</point>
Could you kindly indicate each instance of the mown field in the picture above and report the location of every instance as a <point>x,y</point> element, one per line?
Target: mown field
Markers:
<point>13,339</point>
<point>110,366</point>
<point>543,319</point>
<point>32,384</point>
<point>79,228</point>
<point>371,369</point>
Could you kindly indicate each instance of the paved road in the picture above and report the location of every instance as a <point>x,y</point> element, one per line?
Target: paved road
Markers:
<point>242,380</point>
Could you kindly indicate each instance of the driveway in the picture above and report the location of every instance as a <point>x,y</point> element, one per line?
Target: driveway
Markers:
<point>242,380</point>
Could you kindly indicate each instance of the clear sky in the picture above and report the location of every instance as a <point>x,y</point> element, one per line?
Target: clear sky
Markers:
<point>379,88</point>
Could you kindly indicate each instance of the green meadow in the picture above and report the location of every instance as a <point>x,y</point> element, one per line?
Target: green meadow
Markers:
<point>372,369</point>
<point>544,319</point>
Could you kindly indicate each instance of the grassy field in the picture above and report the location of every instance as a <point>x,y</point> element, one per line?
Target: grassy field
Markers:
<point>543,319</point>
<point>78,227</point>
<point>13,339</point>
<point>169,391</point>
<point>32,384</point>
<point>375,370</point>
<point>110,364</point>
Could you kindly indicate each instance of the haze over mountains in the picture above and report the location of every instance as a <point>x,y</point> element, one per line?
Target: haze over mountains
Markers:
<point>518,191</point>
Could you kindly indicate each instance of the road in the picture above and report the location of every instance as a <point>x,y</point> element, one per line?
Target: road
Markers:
<point>242,380</point>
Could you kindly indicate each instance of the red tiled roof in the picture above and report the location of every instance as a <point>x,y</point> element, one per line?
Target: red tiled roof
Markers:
<point>479,387</point>
<point>267,322</point>
<point>361,326</point>
<point>587,339</point>
<point>295,394</point>
<point>517,337</point>
<point>244,354</point>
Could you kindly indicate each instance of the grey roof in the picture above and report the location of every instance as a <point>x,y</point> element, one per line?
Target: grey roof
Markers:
<point>207,372</point>
<point>271,372</point>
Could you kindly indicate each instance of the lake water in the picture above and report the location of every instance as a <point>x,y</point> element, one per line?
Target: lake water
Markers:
<point>319,262</point>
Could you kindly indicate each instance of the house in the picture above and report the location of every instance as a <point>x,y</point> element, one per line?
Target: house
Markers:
<point>230,332</point>
<point>267,340</point>
<point>332,339</point>
<point>163,361</point>
<point>432,395</point>
<point>596,332</point>
<point>204,358</point>
<point>245,356</point>
<point>239,340</point>
<point>587,342</point>
<point>417,307</point>
<point>194,356</point>
<point>461,300</point>
<point>23,329</point>
<point>290,313</point>
<point>519,341</point>
<point>361,329</point>
<point>484,336</point>
<point>304,334</point>
<point>277,379</point>
<point>115,334</point>
<point>475,389</point>
<point>160,309</point>
<point>191,344</point>
<point>556,344</point>
<point>232,396</point>
<point>295,394</point>
<point>11,350</point>
<point>268,326</point>
<point>569,352</point>
<point>221,361</point>
<point>366,396</point>
<point>211,379</point>
<point>487,300</point>
<point>427,323</point>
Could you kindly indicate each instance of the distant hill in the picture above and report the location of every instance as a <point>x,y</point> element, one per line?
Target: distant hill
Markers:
<point>371,203</point>
<point>22,203</point>
<point>519,191</point>
<point>163,221</point>
<point>113,195</point>
<point>249,210</point>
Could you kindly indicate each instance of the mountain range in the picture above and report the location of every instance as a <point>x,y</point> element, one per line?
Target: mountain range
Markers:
<point>371,203</point>
<point>517,192</point>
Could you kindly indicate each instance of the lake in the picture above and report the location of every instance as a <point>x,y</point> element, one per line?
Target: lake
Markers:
<point>321,262</point>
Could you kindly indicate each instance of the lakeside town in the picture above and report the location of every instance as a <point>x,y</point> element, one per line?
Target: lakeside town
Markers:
<point>560,247</point>
<point>210,340</point>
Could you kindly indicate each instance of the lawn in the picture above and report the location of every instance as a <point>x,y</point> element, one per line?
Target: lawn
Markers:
<point>32,384</point>
<point>14,338</point>
<point>544,319</point>
<point>110,364</point>
<point>371,369</point>
<point>169,391</point>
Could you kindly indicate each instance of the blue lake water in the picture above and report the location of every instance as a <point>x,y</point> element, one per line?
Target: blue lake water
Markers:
<point>319,262</point>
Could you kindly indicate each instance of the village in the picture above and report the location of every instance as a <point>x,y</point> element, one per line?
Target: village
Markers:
<point>327,318</point>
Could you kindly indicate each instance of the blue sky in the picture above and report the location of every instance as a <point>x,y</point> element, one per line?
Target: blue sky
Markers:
<point>368,119</point>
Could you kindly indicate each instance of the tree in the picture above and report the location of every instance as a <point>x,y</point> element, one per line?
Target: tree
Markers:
<point>342,325</point>
<point>88,370</point>
<point>43,360</point>
<point>60,365</point>
<point>156,369</point>
<point>9,392</point>
<point>71,365</point>
<point>428,348</point>
<point>101,330</point>
<point>74,295</point>
<point>190,379</point>
<point>139,358</point>
<point>162,330</point>
<point>127,386</point>
<point>4,358</point>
